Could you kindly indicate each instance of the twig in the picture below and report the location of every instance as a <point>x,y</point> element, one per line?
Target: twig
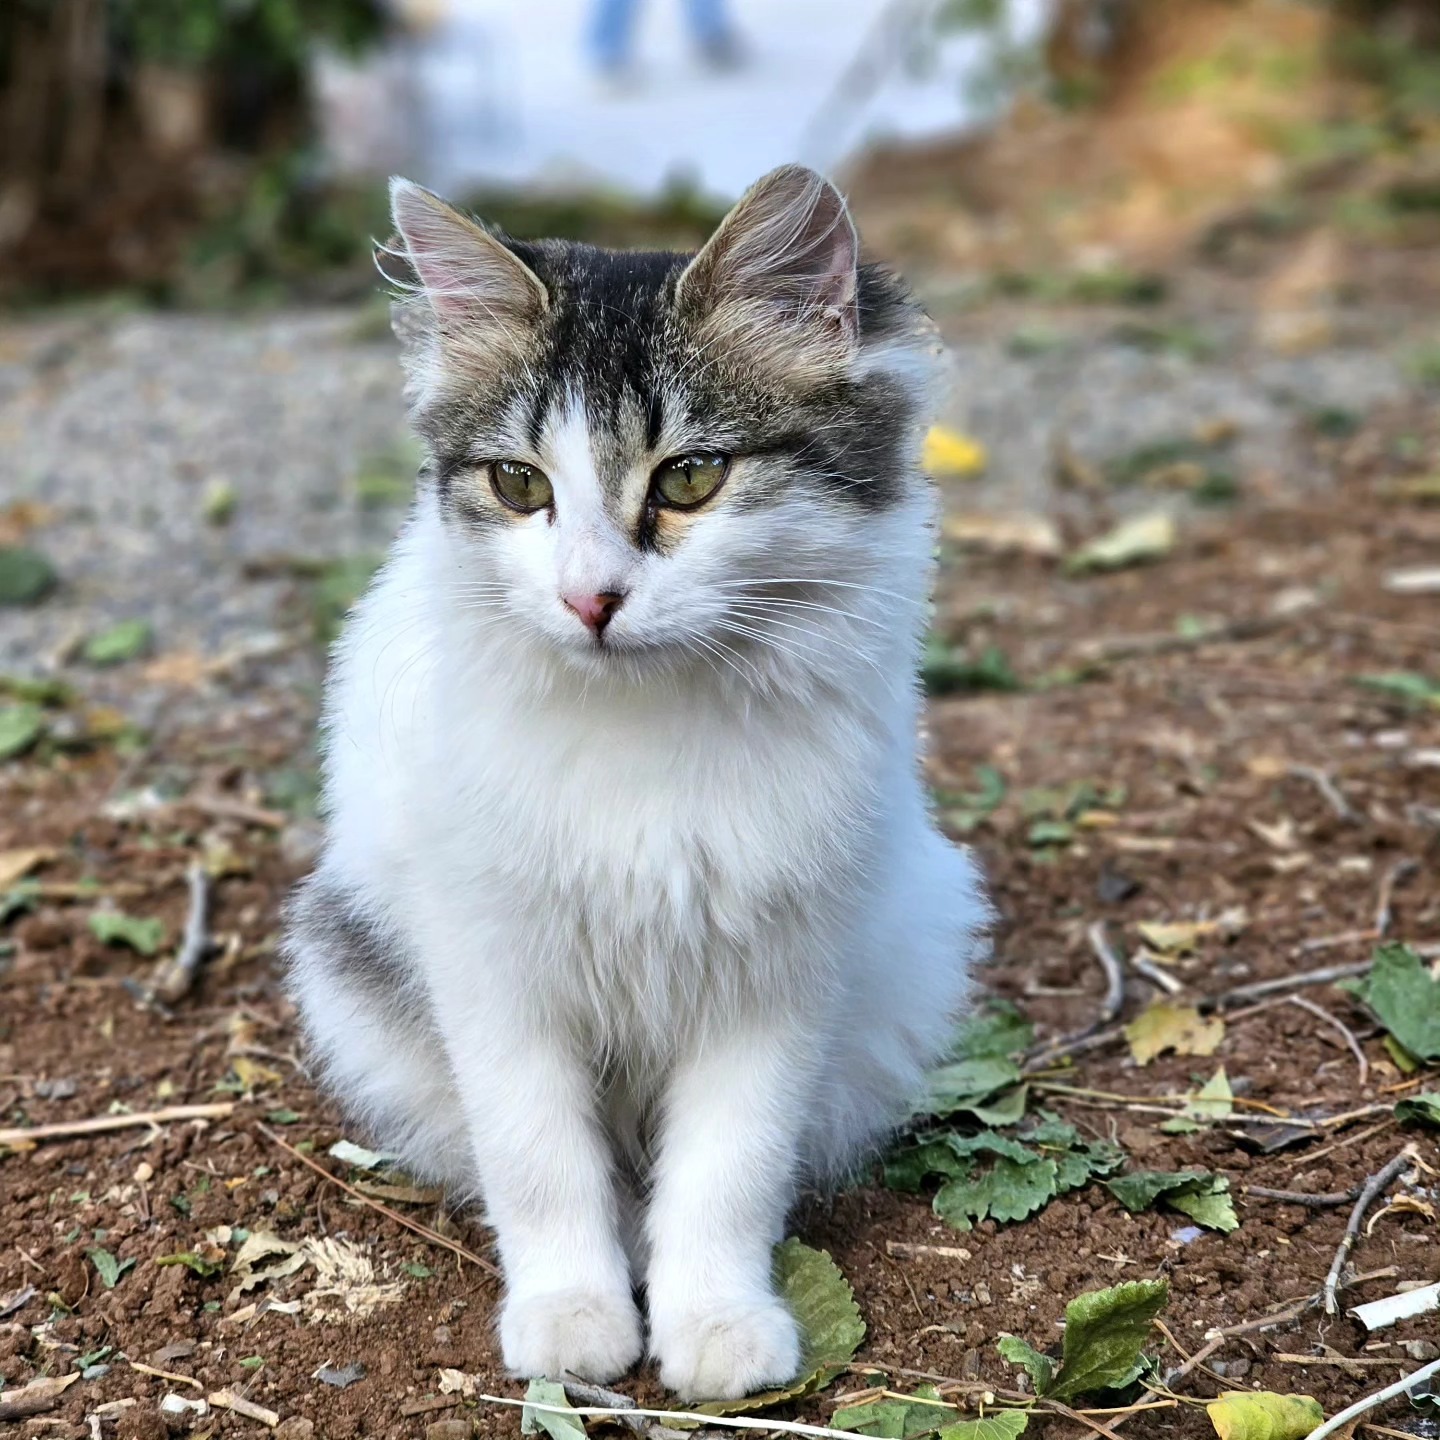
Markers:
<point>225,807</point>
<point>1396,875</point>
<point>1193,1362</point>
<point>178,975</point>
<point>1114,972</point>
<point>1311,1156</point>
<point>1267,1322</point>
<point>1099,1427</point>
<point>65,1129</point>
<point>1322,1201</point>
<point>1321,1013</point>
<point>905,1250</point>
<point>229,1400</point>
<point>1373,1187</point>
<point>433,1236</point>
<point>1328,790</point>
<point>163,1374</point>
<point>1159,978</point>
<point>1390,1392</point>
<point>581,1392</point>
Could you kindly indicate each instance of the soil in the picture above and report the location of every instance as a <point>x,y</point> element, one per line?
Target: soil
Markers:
<point>1225,759</point>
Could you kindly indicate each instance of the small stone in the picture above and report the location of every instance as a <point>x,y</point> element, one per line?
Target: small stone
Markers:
<point>443,1336</point>
<point>144,1173</point>
<point>448,1430</point>
<point>340,1378</point>
<point>295,1428</point>
<point>1421,1350</point>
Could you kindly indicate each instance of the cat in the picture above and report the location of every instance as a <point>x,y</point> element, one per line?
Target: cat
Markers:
<point>631,916</point>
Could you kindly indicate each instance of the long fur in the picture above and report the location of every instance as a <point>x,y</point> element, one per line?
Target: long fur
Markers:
<point>625,940</point>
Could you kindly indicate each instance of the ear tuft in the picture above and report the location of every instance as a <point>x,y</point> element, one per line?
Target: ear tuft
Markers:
<point>465,273</point>
<point>784,261</point>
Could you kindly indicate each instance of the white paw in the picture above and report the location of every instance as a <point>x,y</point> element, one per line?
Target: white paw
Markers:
<point>722,1354</point>
<point>593,1335</point>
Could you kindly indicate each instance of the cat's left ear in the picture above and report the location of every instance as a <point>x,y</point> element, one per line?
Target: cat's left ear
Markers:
<point>779,276</point>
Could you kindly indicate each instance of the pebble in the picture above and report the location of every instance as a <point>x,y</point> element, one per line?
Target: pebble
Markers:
<point>295,1428</point>
<point>448,1430</point>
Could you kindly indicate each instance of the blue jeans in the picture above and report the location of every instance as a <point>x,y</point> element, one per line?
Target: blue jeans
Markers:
<point>612,26</point>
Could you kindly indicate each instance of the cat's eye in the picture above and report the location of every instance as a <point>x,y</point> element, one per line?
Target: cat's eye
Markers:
<point>521,486</point>
<point>688,480</point>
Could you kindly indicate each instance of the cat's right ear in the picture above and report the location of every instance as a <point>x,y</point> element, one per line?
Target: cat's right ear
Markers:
<point>470,281</point>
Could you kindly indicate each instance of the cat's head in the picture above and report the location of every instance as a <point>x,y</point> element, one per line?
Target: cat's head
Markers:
<point>645,457</point>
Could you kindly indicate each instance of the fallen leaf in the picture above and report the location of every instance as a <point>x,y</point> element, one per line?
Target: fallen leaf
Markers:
<point>1204,1197</point>
<point>823,1304</point>
<point>1136,541</point>
<point>1406,685</point>
<point>1039,1367</point>
<point>1405,997</point>
<point>1181,1028</point>
<point>1423,1109</point>
<point>21,727</point>
<point>16,864</point>
<point>210,1263</point>
<point>25,575</point>
<point>108,1268</point>
<point>124,641</point>
<point>38,1395</point>
<point>560,1423</point>
<point>263,1245</point>
<point>113,928</point>
<point>360,1157</point>
<point>948,452</point>
<point>1263,1415</point>
<point>1105,1331</point>
<point>250,1073</point>
<point>997,1425</point>
<point>401,1194</point>
<point>1176,937</point>
<point>1016,534</point>
<point>896,1419</point>
<point>340,1379</point>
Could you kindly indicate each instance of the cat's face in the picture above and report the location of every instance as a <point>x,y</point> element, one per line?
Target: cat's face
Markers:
<point>649,457</point>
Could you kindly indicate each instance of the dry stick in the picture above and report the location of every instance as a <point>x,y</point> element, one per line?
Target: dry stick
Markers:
<point>65,1129</point>
<point>1390,1392</point>
<point>178,975</point>
<point>1373,1186</point>
<point>1114,972</point>
<point>433,1236</point>
<point>1397,874</point>
<point>1155,975</point>
<point>1315,1201</point>
<point>1328,790</point>
<point>1339,1025</point>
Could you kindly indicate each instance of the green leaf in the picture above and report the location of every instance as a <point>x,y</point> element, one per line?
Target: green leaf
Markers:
<point>21,726</point>
<point>823,1304</point>
<point>997,1425</point>
<point>191,1261</point>
<point>1105,1330</point>
<point>108,1268</point>
<point>966,1083</point>
<point>1040,1368</point>
<point>999,1031</point>
<point>1406,685</point>
<point>113,928</point>
<point>1422,1109</point>
<point>1141,1189</point>
<point>282,1117</point>
<point>1208,1205</point>
<point>124,641</point>
<point>557,1426</point>
<point>1006,1108</point>
<point>1400,990</point>
<point>25,575</point>
<point>896,1419</point>
<point>1263,1415</point>
<point>910,1168</point>
<point>419,1271</point>
<point>944,671</point>
<point>251,1362</point>
<point>1008,1190</point>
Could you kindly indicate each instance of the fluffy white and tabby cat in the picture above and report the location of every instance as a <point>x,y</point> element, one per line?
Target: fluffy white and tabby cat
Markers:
<point>632,916</point>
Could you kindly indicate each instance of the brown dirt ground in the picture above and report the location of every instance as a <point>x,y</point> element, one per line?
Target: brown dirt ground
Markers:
<point>1202,737</point>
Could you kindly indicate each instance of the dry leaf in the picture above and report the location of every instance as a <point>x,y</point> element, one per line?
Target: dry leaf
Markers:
<point>1004,534</point>
<point>348,1288</point>
<point>1180,1028</point>
<point>1136,541</point>
<point>1176,937</point>
<point>1279,836</point>
<point>17,864</point>
<point>250,1073</point>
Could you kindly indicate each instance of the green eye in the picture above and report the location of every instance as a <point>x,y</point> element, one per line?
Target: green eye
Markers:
<point>520,486</point>
<point>689,481</point>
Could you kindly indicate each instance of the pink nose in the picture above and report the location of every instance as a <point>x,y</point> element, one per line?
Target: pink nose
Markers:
<point>595,610</point>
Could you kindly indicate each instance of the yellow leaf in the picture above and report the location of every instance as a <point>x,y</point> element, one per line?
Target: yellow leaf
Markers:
<point>1178,938</point>
<point>1136,541</point>
<point>1263,1415</point>
<point>1180,1028</point>
<point>17,864</point>
<point>250,1073</point>
<point>948,452</point>
<point>1004,534</point>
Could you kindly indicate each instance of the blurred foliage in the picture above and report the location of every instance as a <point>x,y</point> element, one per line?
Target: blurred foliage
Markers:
<point>193,33</point>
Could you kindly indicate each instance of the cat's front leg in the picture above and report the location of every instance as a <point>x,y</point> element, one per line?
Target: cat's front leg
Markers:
<point>724,1181</point>
<point>546,1176</point>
